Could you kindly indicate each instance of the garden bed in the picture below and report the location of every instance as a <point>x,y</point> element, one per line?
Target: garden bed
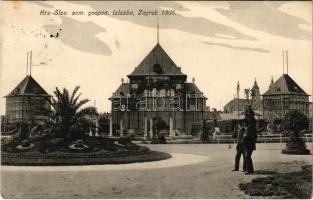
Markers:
<point>101,151</point>
<point>282,185</point>
<point>37,159</point>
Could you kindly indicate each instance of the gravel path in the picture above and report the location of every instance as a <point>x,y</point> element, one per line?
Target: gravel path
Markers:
<point>205,174</point>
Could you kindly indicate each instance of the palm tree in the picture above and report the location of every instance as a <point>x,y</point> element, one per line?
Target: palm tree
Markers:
<point>69,119</point>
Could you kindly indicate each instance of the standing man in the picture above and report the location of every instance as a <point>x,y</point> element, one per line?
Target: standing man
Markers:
<point>249,139</point>
<point>239,148</point>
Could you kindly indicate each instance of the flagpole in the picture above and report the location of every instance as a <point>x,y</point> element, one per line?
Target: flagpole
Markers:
<point>27,64</point>
<point>238,115</point>
<point>238,89</point>
<point>30,63</point>
<point>287,60</point>
<point>158,28</point>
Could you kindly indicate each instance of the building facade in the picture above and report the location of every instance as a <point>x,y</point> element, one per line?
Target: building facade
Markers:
<point>283,96</point>
<point>157,89</point>
<point>26,102</point>
<point>235,106</point>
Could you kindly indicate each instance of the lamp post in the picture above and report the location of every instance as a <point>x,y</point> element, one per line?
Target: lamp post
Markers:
<point>238,90</point>
<point>281,104</point>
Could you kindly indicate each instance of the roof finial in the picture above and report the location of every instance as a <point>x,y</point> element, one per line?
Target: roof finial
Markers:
<point>193,79</point>
<point>122,80</point>
<point>158,28</point>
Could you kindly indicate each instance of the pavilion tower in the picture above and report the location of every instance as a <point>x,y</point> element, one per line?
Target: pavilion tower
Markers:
<point>27,101</point>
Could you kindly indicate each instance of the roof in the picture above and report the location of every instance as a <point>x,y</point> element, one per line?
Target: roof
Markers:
<point>191,88</point>
<point>234,101</point>
<point>122,90</point>
<point>157,62</point>
<point>28,86</point>
<point>233,115</point>
<point>285,85</point>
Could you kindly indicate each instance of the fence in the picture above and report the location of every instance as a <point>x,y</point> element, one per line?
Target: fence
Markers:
<point>274,138</point>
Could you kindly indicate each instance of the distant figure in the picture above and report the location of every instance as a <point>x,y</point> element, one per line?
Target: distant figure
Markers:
<point>216,133</point>
<point>269,128</point>
<point>216,130</point>
<point>249,139</point>
<point>204,132</point>
<point>239,148</point>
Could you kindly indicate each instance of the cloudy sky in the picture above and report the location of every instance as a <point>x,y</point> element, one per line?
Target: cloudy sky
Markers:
<point>218,43</point>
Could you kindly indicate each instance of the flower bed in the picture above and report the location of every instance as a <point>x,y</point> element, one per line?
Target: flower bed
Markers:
<point>61,158</point>
<point>101,151</point>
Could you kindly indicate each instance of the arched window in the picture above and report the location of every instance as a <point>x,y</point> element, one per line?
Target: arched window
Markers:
<point>162,92</point>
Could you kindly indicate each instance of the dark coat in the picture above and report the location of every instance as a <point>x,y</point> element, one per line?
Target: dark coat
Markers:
<point>249,141</point>
<point>250,135</point>
<point>239,137</point>
<point>239,147</point>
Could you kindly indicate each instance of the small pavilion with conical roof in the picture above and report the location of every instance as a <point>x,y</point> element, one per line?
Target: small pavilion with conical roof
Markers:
<point>282,96</point>
<point>27,101</point>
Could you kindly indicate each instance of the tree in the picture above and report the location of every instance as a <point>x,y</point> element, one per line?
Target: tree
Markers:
<point>294,122</point>
<point>104,123</point>
<point>23,132</point>
<point>158,125</point>
<point>69,119</point>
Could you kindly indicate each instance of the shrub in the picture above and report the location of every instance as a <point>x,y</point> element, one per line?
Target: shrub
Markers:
<point>295,121</point>
<point>25,143</point>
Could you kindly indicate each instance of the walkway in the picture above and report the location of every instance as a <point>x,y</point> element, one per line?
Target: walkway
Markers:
<point>195,171</point>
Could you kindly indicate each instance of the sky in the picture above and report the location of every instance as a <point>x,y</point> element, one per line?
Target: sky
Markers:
<point>217,43</point>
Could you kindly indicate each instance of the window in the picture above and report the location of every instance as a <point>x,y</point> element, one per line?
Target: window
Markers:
<point>154,92</point>
<point>192,107</point>
<point>134,86</point>
<point>123,108</point>
<point>162,92</point>
<point>172,92</point>
<point>178,87</point>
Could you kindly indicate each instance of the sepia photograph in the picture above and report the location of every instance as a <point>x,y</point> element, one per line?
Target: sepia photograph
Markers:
<point>156,99</point>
